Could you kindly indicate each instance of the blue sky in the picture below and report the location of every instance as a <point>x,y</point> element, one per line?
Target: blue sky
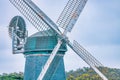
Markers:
<point>97,30</point>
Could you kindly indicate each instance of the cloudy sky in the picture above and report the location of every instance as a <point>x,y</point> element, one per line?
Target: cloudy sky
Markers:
<point>97,30</point>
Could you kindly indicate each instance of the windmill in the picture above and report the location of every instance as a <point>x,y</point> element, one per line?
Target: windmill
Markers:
<point>47,27</point>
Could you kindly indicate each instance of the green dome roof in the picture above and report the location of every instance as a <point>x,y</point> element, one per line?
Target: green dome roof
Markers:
<point>42,43</point>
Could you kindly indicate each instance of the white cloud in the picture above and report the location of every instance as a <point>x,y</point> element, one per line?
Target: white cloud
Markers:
<point>11,63</point>
<point>8,61</point>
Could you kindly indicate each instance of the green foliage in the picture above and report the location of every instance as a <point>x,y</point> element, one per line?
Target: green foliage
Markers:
<point>71,78</point>
<point>12,76</point>
<point>88,74</point>
<point>85,73</point>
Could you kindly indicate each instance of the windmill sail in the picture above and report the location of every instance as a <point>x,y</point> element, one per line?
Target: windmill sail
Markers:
<point>33,14</point>
<point>82,53</point>
<point>86,55</point>
<point>70,14</point>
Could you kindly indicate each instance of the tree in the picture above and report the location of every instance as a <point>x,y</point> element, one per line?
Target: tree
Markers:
<point>71,78</point>
<point>88,74</point>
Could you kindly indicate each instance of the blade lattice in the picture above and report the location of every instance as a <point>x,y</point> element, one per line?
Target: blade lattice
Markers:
<point>31,15</point>
<point>80,51</point>
<point>86,55</point>
<point>70,14</point>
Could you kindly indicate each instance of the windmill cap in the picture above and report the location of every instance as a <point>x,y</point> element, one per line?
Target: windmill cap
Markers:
<point>43,44</point>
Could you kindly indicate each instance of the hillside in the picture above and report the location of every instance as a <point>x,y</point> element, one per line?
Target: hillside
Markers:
<point>85,73</point>
<point>88,74</point>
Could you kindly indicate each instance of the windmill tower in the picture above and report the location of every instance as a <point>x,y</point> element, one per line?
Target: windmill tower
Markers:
<point>45,49</point>
<point>38,48</point>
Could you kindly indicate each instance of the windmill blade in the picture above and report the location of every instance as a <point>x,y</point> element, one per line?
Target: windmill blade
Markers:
<point>71,22</point>
<point>53,67</point>
<point>87,55</point>
<point>35,16</point>
<point>49,61</point>
<point>82,53</point>
<point>70,14</point>
<point>67,20</point>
